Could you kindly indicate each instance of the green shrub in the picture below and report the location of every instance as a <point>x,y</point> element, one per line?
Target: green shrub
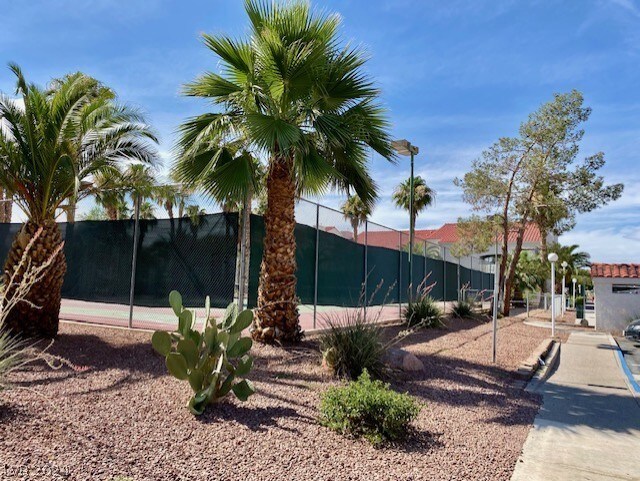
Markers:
<point>462,309</point>
<point>211,360</point>
<point>423,312</point>
<point>351,344</point>
<point>368,408</point>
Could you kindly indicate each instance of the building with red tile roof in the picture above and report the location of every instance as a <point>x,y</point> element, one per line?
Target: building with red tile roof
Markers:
<point>616,289</point>
<point>447,235</point>
<point>622,271</point>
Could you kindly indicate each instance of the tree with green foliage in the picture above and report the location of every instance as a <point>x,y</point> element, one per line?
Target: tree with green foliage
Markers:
<point>60,139</point>
<point>531,274</point>
<point>423,197</point>
<point>575,259</point>
<point>518,176</point>
<point>95,213</point>
<point>292,91</point>
<point>356,212</point>
<point>474,235</point>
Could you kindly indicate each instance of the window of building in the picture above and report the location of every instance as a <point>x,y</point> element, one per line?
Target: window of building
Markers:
<point>626,288</point>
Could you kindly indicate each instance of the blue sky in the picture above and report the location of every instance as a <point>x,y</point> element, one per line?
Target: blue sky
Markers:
<point>455,75</point>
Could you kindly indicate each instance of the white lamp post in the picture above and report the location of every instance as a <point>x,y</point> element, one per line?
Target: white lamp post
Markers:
<point>564,300</point>
<point>553,258</point>
<point>404,147</point>
<point>574,280</point>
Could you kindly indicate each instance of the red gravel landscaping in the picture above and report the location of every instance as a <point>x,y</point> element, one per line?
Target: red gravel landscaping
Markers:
<point>119,414</point>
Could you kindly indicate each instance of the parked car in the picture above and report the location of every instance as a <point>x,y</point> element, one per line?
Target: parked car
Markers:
<point>632,331</point>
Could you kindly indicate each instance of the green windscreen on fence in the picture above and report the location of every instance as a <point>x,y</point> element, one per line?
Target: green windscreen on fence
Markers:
<point>342,269</point>
<point>197,258</point>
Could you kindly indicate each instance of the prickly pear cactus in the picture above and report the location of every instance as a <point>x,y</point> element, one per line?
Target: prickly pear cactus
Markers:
<point>214,361</point>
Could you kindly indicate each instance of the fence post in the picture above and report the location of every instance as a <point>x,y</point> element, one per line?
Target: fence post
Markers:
<point>400,275</point>
<point>243,252</point>
<point>458,274</point>
<point>315,273</point>
<point>134,258</point>
<point>424,271</point>
<point>444,279</point>
<point>366,266</point>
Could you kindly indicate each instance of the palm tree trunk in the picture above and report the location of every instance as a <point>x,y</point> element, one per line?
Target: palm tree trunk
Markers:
<point>71,211</point>
<point>277,312</point>
<point>6,204</point>
<point>112,212</point>
<point>38,316</point>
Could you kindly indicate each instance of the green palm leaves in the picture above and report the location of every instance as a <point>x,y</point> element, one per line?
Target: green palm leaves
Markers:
<point>289,91</point>
<point>423,197</point>
<point>62,136</point>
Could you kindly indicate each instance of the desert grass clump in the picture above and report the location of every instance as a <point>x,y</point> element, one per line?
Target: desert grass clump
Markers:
<point>368,408</point>
<point>351,344</point>
<point>423,312</point>
<point>462,310</point>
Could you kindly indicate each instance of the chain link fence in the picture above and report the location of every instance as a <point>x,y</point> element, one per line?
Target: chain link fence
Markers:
<point>121,272</point>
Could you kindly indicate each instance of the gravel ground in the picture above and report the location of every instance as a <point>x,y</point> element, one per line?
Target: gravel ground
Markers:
<point>117,413</point>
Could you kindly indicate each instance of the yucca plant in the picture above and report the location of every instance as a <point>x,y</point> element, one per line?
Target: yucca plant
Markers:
<point>50,147</point>
<point>293,92</point>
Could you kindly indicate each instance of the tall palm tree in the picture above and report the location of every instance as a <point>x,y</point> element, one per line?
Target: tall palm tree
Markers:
<point>140,182</point>
<point>423,197</point>
<point>166,196</point>
<point>293,92</point>
<point>147,212</point>
<point>109,191</point>
<point>60,139</point>
<point>356,212</point>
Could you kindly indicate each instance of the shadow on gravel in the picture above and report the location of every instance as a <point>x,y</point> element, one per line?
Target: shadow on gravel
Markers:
<point>418,442</point>
<point>255,418</point>
<point>460,383</point>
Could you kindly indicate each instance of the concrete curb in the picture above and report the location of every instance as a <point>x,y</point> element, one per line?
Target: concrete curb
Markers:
<point>527,368</point>
<point>632,384</point>
<point>543,373</point>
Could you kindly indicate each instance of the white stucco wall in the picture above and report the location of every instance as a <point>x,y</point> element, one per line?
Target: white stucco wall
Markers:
<point>613,311</point>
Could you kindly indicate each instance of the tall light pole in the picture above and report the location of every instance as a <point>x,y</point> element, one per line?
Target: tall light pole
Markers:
<point>553,258</point>
<point>564,275</point>
<point>496,297</point>
<point>404,147</point>
<point>574,280</point>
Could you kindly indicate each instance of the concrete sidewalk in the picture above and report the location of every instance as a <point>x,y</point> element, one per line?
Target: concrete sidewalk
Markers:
<point>588,427</point>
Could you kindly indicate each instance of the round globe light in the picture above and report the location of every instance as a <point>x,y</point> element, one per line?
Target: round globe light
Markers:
<point>574,280</point>
<point>564,264</point>
<point>553,257</point>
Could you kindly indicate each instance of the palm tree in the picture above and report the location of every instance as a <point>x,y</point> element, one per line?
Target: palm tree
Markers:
<point>109,191</point>
<point>147,212</point>
<point>423,197</point>
<point>193,213</point>
<point>6,205</point>
<point>139,181</point>
<point>60,139</point>
<point>292,92</point>
<point>167,196</point>
<point>575,260</point>
<point>356,212</point>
